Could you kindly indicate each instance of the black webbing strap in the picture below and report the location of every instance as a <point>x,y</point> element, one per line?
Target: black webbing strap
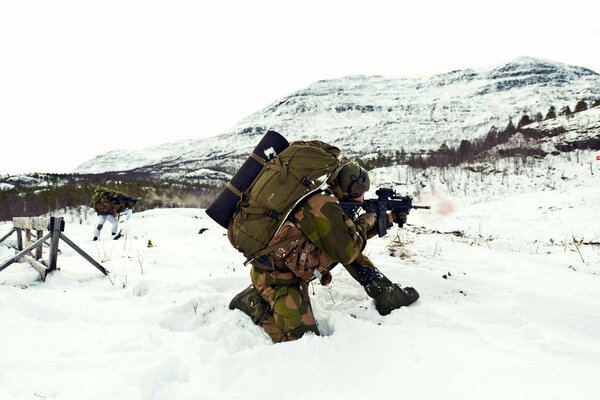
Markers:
<point>272,248</point>
<point>259,210</point>
<point>307,182</point>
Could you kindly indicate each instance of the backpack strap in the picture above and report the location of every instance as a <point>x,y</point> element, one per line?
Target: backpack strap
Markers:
<point>234,189</point>
<point>271,248</point>
<point>258,158</point>
<point>257,208</point>
<point>283,170</point>
<point>265,211</point>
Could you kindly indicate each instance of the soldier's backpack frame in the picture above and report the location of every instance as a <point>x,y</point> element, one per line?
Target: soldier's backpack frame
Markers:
<point>274,179</point>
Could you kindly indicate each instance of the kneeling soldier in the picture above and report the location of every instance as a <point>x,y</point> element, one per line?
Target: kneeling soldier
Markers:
<point>278,297</point>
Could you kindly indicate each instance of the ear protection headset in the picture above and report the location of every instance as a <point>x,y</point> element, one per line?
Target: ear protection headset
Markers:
<point>357,186</point>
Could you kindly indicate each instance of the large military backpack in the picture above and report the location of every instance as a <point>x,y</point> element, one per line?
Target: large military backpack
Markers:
<point>107,201</point>
<point>301,169</point>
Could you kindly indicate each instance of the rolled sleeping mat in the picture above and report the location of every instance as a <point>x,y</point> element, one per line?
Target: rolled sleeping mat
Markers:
<point>223,207</point>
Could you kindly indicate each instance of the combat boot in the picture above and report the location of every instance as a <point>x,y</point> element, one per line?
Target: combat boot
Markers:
<point>390,296</point>
<point>250,303</point>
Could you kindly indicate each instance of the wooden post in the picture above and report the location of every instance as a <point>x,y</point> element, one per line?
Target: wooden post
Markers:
<point>56,225</point>
<point>19,239</point>
<point>28,238</point>
<point>38,250</point>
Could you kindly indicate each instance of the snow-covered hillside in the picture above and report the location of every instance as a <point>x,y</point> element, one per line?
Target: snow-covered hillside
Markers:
<point>364,114</point>
<point>505,262</point>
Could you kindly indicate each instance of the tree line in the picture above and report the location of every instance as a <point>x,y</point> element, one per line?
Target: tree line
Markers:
<point>581,105</point>
<point>52,192</point>
<point>471,150</point>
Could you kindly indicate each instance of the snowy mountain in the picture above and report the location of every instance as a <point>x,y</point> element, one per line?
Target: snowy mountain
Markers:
<point>366,114</point>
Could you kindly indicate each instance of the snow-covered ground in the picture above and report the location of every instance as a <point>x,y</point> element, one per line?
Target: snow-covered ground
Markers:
<point>509,308</point>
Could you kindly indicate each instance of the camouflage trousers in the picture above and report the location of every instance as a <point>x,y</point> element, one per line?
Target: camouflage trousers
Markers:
<point>291,314</point>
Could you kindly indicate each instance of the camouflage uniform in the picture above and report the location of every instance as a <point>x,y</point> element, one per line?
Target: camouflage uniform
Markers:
<point>316,237</point>
<point>324,236</point>
<point>109,209</point>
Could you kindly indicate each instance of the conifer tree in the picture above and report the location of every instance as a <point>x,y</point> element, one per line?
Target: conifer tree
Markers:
<point>464,149</point>
<point>510,128</point>
<point>551,113</point>
<point>581,106</point>
<point>525,120</point>
<point>402,155</point>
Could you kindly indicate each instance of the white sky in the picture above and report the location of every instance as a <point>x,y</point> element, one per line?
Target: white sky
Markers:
<point>79,78</point>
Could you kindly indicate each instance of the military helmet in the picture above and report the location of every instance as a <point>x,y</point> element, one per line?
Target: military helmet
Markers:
<point>353,179</point>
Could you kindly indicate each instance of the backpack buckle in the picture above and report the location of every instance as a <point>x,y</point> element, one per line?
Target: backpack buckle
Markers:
<point>307,182</point>
<point>273,214</point>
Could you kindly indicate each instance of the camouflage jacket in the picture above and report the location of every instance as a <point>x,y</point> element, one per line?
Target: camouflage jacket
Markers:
<point>325,236</point>
<point>108,202</point>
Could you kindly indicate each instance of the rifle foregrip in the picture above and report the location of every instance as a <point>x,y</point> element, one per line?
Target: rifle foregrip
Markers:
<point>382,225</point>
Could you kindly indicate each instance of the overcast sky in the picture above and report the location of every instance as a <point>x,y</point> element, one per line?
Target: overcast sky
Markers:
<point>80,78</point>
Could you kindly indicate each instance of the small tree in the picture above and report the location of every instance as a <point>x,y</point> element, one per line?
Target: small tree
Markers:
<point>464,150</point>
<point>551,113</point>
<point>566,110</point>
<point>581,106</point>
<point>510,128</point>
<point>596,103</point>
<point>525,120</point>
<point>539,117</point>
<point>417,161</point>
<point>402,156</point>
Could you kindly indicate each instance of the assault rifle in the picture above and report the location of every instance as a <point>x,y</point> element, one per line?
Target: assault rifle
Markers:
<point>387,200</point>
<point>124,200</point>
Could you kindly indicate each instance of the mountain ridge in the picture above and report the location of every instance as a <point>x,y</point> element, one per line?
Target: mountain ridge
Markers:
<point>363,114</point>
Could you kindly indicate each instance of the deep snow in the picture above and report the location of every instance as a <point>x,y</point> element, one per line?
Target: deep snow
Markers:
<point>509,308</point>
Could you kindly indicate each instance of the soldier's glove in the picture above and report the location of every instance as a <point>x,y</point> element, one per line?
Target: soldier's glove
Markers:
<point>390,296</point>
<point>400,218</point>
